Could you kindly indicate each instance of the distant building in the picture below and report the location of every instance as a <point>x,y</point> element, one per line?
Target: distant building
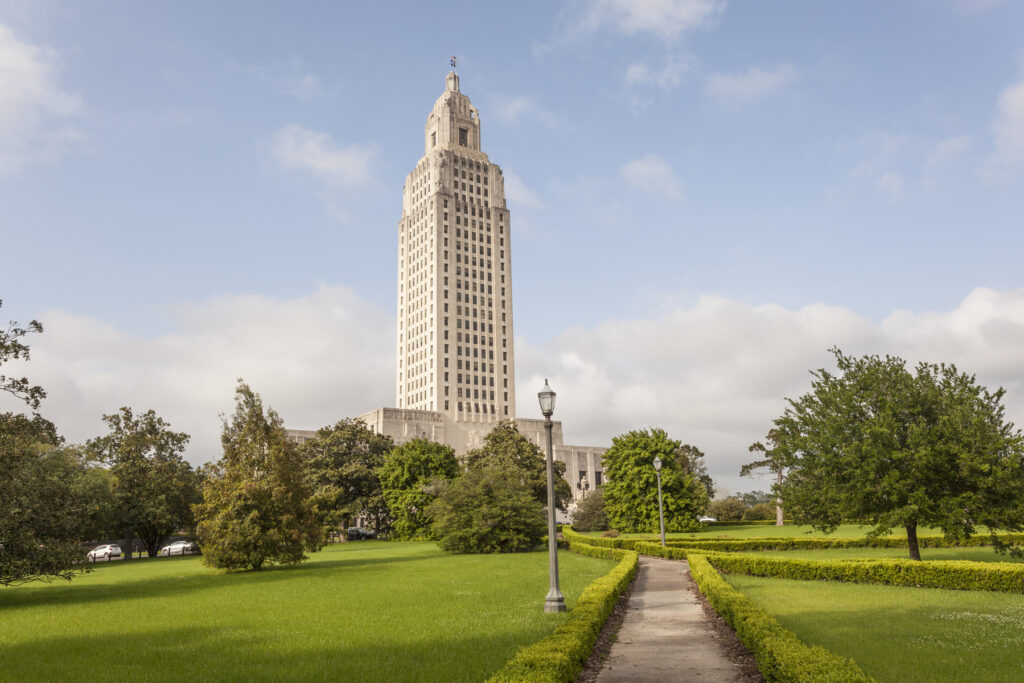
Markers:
<point>455,366</point>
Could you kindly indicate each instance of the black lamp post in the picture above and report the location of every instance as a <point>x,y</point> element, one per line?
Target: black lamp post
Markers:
<point>661,510</point>
<point>554,601</point>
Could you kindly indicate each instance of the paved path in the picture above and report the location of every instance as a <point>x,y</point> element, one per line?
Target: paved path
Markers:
<point>665,635</point>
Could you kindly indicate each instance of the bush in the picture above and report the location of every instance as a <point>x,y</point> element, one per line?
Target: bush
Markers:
<point>759,512</point>
<point>484,511</point>
<point>611,533</point>
<point>727,510</point>
<point>755,544</point>
<point>560,656</point>
<point>781,656</point>
<point>590,514</point>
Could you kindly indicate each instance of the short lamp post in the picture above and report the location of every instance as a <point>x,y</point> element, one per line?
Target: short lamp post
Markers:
<point>554,601</point>
<point>661,510</point>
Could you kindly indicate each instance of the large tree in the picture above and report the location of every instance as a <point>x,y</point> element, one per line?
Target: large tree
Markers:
<point>256,510</point>
<point>631,492</point>
<point>13,348</point>
<point>155,488</point>
<point>509,452</point>
<point>342,461</point>
<point>876,443</point>
<point>774,460</point>
<point>410,479</point>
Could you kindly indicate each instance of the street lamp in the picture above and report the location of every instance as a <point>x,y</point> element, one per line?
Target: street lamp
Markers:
<point>661,510</point>
<point>554,601</point>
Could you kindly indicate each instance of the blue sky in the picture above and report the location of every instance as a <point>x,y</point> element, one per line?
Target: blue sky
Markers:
<point>705,196</point>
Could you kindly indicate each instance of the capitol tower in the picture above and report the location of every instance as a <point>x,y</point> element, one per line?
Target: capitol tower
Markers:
<point>455,353</point>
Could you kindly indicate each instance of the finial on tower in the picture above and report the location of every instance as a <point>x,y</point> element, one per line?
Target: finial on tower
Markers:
<point>452,60</point>
<point>452,79</point>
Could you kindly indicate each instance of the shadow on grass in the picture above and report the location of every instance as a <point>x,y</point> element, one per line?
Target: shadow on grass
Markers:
<point>206,653</point>
<point>146,588</point>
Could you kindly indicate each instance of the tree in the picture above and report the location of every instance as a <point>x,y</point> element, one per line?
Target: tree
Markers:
<point>154,487</point>
<point>631,493</point>
<point>341,468</point>
<point>256,510</point>
<point>590,514</point>
<point>878,444</point>
<point>410,479</point>
<point>12,348</point>
<point>759,512</point>
<point>508,451</point>
<point>729,509</point>
<point>693,463</point>
<point>486,511</point>
<point>774,460</point>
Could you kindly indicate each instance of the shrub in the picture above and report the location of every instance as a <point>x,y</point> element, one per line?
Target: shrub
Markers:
<point>484,511</point>
<point>759,512</point>
<point>560,656</point>
<point>590,514</point>
<point>611,533</point>
<point>780,655</point>
<point>727,510</point>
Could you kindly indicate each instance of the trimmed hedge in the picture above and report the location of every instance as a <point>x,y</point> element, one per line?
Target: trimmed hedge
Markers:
<point>753,544</point>
<point>561,655</point>
<point>781,656</point>
<point>949,574</point>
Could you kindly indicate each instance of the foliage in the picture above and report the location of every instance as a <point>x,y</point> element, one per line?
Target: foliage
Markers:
<point>881,445</point>
<point>727,510</point>
<point>752,498</point>
<point>775,461</point>
<point>631,493</point>
<point>590,514</point>
<point>410,479</point>
<point>780,655</point>
<point>692,460</point>
<point>342,463</point>
<point>485,511</point>
<point>12,348</point>
<point>508,451</point>
<point>759,512</point>
<point>798,543</point>
<point>560,656</point>
<point>154,487</point>
<point>255,510</point>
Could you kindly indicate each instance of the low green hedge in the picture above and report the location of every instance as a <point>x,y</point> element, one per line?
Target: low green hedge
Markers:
<point>752,544</point>
<point>781,656</point>
<point>561,655</point>
<point>950,574</point>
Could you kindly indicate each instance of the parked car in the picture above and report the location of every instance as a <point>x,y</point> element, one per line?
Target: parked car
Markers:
<point>357,534</point>
<point>104,552</point>
<point>179,548</point>
<point>705,518</point>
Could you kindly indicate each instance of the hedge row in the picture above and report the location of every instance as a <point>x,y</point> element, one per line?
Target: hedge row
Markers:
<point>781,656</point>
<point>951,574</point>
<point>750,544</point>
<point>561,655</point>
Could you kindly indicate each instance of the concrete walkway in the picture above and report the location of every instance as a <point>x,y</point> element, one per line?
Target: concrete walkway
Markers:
<point>665,635</point>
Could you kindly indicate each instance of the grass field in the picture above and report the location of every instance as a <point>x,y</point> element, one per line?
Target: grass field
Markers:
<point>973,554</point>
<point>355,611</point>
<point>902,634</point>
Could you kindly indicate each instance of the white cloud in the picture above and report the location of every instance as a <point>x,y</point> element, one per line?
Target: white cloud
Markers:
<point>518,108</point>
<point>666,78</point>
<point>315,359</point>
<point>519,194</point>
<point>666,19</point>
<point>716,374</point>
<point>313,152</point>
<point>736,90</point>
<point>33,107</point>
<point>652,175</point>
<point>890,184</point>
<point>1008,128</point>
<point>943,155</point>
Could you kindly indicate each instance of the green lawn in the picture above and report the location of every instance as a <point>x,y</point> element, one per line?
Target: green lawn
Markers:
<point>901,634</point>
<point>355,611</point>
<point>974,554</point>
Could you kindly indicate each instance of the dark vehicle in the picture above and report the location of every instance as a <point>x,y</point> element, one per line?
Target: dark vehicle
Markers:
<point>357,534</point>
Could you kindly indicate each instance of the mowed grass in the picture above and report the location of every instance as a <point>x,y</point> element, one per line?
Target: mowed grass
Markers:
<point>974,554</point>
<point>901,634</point>
<point>369,611</point>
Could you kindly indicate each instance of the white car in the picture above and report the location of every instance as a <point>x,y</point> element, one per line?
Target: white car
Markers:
<point>104,552</point>
<point>706,519</point>
<point>178,548</point>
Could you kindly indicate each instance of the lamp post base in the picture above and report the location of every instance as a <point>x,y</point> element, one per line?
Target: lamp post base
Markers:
<point>554,603</point>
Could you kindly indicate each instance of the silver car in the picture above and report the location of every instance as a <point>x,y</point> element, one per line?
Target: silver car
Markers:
<point>178,548</point>
<point>104,552</point>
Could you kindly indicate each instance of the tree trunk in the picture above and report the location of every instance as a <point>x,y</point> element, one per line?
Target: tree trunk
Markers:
<point>778,513</point>
<point>915,551</point>
<point>129,541</point>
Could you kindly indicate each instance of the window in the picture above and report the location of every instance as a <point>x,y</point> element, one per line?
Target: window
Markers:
<point>463,135</point>
<point>433,142</point>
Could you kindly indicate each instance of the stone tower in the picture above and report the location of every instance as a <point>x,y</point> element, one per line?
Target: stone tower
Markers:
<point>455,352</point>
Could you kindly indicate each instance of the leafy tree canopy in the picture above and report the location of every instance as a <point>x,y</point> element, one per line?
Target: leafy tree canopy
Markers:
<point>255,510</point>
<point>729,509</point>
<point>590,514</point>
<point>508,451</point>
<point>410,479</point>
<point>12,348</point>
<point>341,467</point>
<point>774,460</point>
<point>486,511</point>
<point>876,443</point>
<point>631,492</point>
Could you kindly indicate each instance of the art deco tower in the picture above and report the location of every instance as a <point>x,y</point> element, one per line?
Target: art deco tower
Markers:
<point>455,351</point>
